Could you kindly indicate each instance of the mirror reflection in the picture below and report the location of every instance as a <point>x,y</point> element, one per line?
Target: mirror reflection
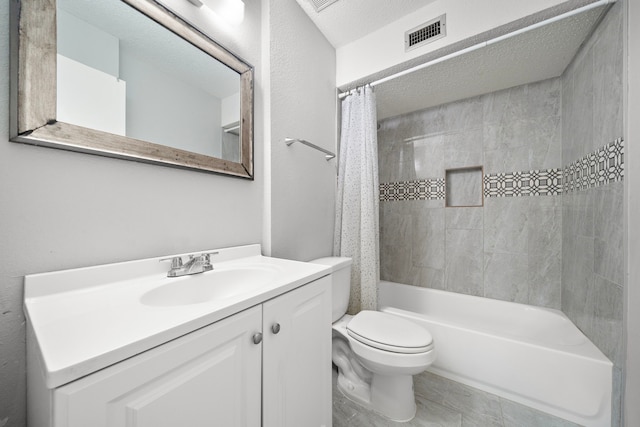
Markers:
<point>120,72</point>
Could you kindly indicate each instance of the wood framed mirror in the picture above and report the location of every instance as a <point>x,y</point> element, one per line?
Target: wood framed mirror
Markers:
<point>158,74</point>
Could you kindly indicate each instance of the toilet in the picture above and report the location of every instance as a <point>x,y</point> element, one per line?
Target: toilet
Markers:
<point>376,353</point>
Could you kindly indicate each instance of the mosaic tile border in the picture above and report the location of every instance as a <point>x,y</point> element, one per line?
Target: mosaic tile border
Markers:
<point>424,189</point>
<point>601,167</point>
<point>528,183</point>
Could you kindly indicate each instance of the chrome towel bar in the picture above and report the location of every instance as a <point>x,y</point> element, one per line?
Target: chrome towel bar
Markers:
<point>328,154</point>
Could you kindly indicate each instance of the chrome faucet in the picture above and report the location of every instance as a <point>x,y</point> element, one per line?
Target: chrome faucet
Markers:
<point>194,265</point>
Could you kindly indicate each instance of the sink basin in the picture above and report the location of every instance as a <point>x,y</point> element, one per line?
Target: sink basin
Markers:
<point>221,283</point>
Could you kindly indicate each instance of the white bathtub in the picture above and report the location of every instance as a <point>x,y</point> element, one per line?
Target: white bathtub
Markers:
<point>531,355</point>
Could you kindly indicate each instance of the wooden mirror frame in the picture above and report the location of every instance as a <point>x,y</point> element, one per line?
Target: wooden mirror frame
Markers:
<point>33,93</point>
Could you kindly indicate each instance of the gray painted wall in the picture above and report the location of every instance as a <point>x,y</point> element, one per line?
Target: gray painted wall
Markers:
<point>62,210</point>
<point>303,105</point>
<point>510,248</point>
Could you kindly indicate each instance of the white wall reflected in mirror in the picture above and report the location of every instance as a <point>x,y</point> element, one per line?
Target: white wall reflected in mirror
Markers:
<point>120,72</point>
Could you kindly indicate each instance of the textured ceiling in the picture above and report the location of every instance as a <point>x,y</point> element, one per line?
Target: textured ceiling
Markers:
<point>536,55</point>
<point>347,20</point>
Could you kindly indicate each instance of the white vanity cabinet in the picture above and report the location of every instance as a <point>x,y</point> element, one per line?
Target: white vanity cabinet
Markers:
<point>209,377</point>
<point>221,375</point>
<point>297,359</point>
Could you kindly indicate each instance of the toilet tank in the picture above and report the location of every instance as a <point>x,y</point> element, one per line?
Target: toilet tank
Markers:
<point>340,283</point>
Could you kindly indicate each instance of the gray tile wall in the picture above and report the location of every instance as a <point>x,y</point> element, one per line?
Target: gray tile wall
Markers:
<point>593,219</point>
<point>508,249</point>
<point>561,251</point>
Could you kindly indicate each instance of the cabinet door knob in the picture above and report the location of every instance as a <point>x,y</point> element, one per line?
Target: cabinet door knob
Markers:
<point>257,338</point>
<point>275,328</point>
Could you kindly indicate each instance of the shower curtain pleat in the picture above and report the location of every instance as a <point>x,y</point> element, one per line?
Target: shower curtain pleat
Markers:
<point>356,226</point>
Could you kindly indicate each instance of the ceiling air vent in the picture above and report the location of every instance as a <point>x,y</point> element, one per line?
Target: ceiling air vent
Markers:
<point>425,33</point>
<point>318,5</point>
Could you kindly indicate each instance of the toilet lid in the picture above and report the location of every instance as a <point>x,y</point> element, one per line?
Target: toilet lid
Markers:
<point>388,332</point>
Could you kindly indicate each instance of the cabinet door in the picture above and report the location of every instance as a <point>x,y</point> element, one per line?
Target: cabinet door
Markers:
<point>297,359</point>
<point>210,377</point>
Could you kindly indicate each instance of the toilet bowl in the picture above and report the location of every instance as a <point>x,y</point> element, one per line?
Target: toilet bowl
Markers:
<point>376,353</point>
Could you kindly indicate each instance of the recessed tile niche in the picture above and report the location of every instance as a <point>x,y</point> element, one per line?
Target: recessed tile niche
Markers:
<point>463,187</point>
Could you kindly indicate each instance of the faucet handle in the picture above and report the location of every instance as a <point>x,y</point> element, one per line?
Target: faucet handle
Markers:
<point>206,256</point>
<point>206,260</point>
<point>176,261</point>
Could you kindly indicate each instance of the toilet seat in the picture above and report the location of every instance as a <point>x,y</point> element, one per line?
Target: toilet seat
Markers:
<point>387,332</point>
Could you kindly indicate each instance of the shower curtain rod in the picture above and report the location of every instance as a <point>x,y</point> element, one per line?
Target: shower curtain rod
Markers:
<point>480,45</point>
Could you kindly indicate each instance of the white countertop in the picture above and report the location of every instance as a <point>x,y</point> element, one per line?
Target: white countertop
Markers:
<point>86,319</point>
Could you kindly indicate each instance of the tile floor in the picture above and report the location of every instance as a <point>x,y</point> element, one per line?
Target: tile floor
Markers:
<point>445,403</point>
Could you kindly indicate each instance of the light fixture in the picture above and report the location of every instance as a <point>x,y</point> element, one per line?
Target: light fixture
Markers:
<point>231,11</point>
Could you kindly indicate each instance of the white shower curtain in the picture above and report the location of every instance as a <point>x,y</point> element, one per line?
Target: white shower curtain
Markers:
<point>356,227</point>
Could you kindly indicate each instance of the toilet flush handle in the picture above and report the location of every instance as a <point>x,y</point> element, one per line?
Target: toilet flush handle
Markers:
<point>275,328</point>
